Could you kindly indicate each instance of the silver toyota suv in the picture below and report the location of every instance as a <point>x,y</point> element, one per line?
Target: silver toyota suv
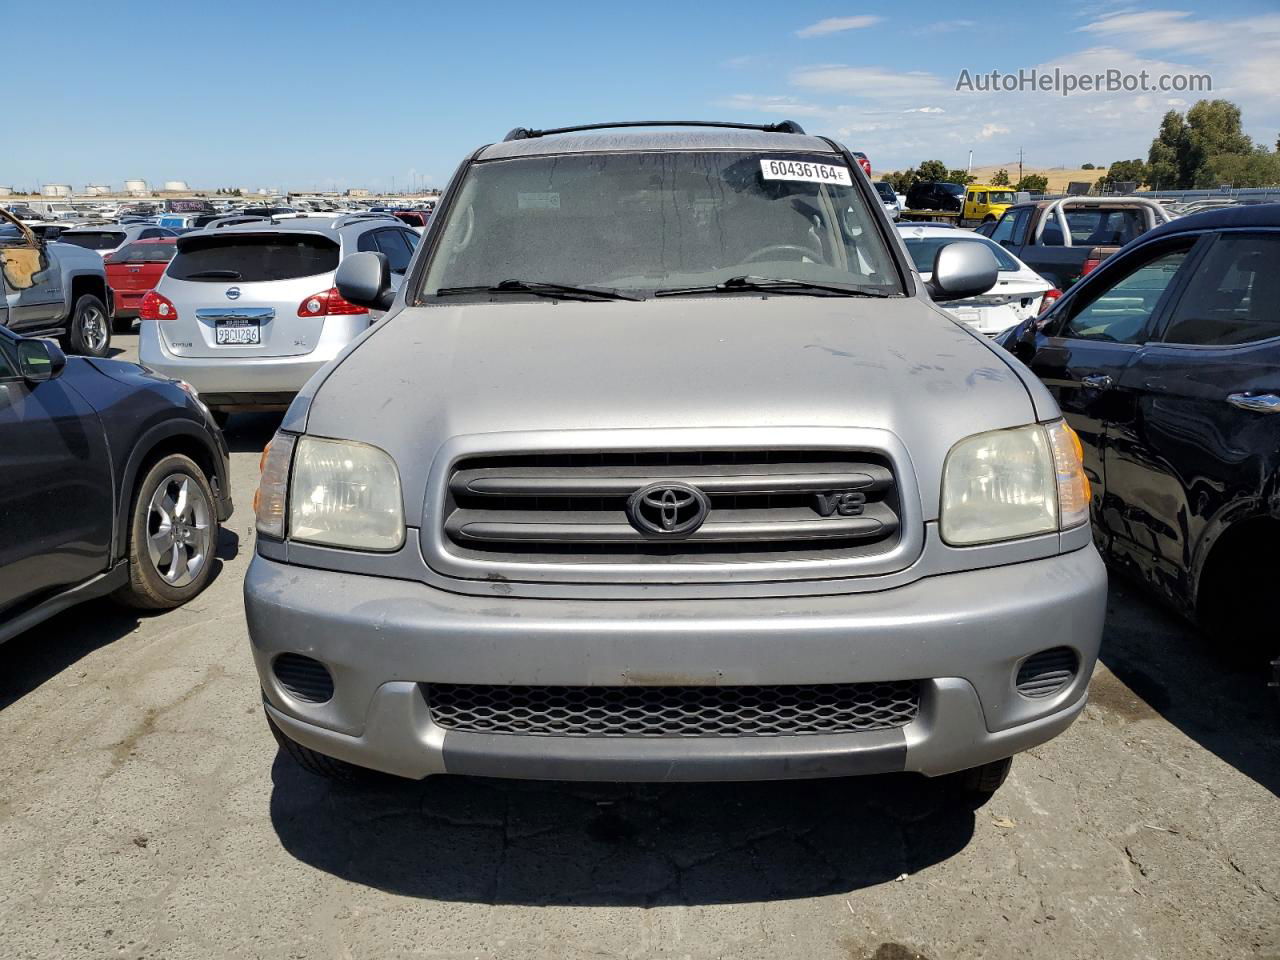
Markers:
<point>247,313</point>
<point>665,466</point>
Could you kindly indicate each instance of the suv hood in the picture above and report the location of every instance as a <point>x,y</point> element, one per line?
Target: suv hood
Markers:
<point>432,373</point>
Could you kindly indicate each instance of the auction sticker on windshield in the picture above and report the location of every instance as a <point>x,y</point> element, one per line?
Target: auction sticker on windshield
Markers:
<point>804,170</point>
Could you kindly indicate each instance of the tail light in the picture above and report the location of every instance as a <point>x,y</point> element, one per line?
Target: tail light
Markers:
<point>1092,263</point>
<point>1050,298</point>
<point>156,306</point>
<point>328,303</point>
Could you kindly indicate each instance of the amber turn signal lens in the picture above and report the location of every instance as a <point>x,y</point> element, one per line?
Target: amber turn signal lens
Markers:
<point>1073,485</point>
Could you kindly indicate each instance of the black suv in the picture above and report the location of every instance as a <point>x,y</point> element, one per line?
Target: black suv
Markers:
<point>112,480</point>
<point>1166,361</point>
<point>936,195</point>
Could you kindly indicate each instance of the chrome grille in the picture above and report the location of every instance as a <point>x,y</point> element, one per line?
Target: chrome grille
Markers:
<point>745,711</point>
<point>764,505</point>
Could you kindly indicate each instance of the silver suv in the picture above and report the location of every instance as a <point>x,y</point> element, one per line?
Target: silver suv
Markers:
<point>246,314</point>
<point>687,478</point>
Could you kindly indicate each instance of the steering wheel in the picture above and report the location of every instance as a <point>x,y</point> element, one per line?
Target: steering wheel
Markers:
<point>781,248</point>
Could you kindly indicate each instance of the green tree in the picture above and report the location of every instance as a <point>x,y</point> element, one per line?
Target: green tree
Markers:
<point>1001,178</point>
<point>932,170</point>
<point>1125,171</point>
<point>1167,149</point>
<point>960,176</point>
<point>1257,168</point>
<point>1182,155</point>
<point>1033,183</point>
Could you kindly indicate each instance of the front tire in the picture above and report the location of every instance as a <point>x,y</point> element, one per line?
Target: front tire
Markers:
<point>972,788</point>
<point>89,333</point>
<point>173,533</point>
<point>318,763</point>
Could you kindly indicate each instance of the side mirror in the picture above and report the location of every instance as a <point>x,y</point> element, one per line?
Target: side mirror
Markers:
<point>962,269</point>
<point>365,280</point>
<point>40,360</point>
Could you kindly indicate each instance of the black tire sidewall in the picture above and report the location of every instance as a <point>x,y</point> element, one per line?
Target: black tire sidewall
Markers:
<point>75,335</point>
<point>139,560</point>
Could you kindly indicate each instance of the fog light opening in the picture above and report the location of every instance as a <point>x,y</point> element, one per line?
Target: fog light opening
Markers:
<point>303,678</point>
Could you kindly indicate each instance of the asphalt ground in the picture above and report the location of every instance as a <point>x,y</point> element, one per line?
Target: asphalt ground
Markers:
<point>146,812</point>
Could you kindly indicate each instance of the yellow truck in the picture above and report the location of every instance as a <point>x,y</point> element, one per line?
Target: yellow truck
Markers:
<point>951,202</point>
<point>983,202</point>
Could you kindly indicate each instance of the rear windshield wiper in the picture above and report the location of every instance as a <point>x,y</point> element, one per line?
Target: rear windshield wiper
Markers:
<point>537,288</point>
<point>214,275</point>
<point>775,285</point>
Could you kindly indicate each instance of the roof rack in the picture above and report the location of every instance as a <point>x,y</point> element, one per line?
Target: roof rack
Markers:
<point>350,218</point>
<point>782,126</point>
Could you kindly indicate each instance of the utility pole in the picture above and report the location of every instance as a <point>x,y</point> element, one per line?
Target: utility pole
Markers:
<point>969,169</point>
<point>1019,164</point>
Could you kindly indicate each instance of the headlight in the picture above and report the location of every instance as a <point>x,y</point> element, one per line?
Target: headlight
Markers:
<point>1013,483</point>
<point>345,494</point>
<point>340,494</point>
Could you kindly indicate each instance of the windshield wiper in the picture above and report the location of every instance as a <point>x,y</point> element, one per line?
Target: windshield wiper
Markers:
<point>214,275</point>
<point>774,285</point>
<point>538,288</point>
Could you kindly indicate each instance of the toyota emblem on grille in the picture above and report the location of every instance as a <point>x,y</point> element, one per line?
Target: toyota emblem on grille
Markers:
<point>233,293</point>
<point>669,509</point>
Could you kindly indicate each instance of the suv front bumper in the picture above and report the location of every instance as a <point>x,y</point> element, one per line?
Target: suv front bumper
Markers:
<point>963,635</point>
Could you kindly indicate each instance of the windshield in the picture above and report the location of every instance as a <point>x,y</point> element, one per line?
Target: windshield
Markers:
<point>93,239</point>
<point>641,222</point>
<point>924,250</point>
<point>1001,196</point>
<point>954,189</point>
<point>886,191</point>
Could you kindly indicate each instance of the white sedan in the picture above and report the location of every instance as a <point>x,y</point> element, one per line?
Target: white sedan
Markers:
<point>1018,293</point>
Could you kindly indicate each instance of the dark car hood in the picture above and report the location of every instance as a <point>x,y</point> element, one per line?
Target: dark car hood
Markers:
<point>433,373</point>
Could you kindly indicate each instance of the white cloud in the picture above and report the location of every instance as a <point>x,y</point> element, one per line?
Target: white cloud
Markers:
<point>838,25</point>
<point>947,26</point>
<point>871,83</point>
<point>902,116</point>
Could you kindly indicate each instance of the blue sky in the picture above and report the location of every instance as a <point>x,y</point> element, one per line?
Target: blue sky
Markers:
<point>319,94</point>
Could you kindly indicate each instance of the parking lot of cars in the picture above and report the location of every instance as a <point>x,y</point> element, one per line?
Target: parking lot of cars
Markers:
<point>145,810</point>
<point>659,556</point>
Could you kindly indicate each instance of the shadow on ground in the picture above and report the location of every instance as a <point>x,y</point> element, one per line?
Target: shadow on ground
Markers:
<point>515,842</point>
<point>250,432</point>
<point>1172,672</point>
<point>44,651</point>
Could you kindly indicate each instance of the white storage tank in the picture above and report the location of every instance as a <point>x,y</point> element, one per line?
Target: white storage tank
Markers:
<point>176,186</point>
<point>97,189</point>
<point>137,187</point>
<point>6,191</point>
<point>56,190</point>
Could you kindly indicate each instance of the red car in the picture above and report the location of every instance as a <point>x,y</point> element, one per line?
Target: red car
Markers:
<point>863,162</point>
<point>132,273</point>
<point>414,218</point>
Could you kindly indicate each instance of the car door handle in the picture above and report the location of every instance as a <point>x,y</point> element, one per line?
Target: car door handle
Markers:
<point>1257,403</point>
<point>1098,381</point>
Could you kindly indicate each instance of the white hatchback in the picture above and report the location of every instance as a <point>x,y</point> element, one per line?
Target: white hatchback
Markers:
<point>246,314</point>
<point>1018,294</point>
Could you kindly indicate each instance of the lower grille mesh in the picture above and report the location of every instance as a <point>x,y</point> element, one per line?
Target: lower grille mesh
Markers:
<point>758,711</point>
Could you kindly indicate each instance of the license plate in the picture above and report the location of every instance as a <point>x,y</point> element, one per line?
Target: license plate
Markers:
<point>237,331</point>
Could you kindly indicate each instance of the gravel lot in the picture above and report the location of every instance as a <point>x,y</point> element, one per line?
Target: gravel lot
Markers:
<point>144,812</point>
